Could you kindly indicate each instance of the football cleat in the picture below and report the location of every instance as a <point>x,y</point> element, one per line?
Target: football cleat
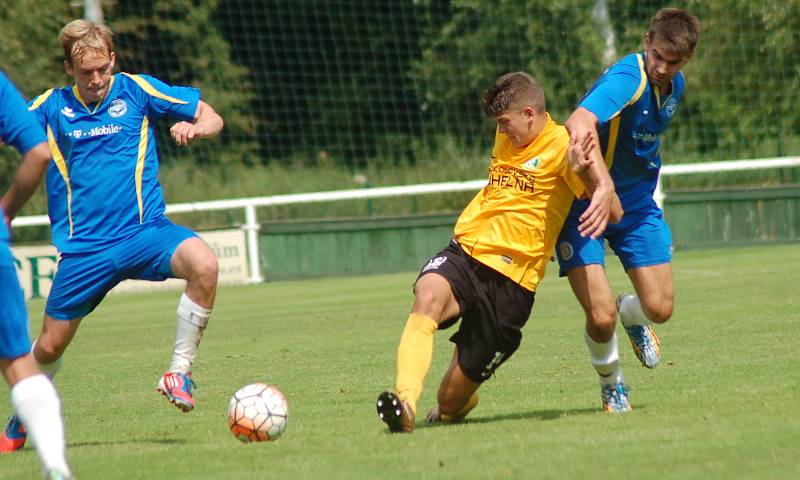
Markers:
<point>615,398</point>
<point>644,341</point>
<point>177,387</point>
<point>395,413</point>
<point>13,436</point>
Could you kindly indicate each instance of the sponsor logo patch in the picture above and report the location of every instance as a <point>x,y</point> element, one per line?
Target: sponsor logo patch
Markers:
<point>117,108</point>
<point>531,164</point>
<point>110,129</point>
<point>67,112</point>
<point>670,107</point>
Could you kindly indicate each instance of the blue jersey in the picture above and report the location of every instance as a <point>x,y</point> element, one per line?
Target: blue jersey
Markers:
<point>102,185</point>
<point>18,127</point>
<point>631,115</point>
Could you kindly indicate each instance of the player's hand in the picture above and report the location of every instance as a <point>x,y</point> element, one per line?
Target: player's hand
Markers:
<point>578,154</point>
<point>185,132</point>
<point>595,219</point>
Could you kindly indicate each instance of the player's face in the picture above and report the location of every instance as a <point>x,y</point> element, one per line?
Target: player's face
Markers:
<point>661,64</point>
<point>92,73</point>
<point>518,126</point>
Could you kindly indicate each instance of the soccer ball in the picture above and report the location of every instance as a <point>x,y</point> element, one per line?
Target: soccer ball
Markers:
<point>257,413</point>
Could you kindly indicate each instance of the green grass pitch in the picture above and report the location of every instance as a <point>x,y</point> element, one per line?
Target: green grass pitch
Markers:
<point>725,403</point>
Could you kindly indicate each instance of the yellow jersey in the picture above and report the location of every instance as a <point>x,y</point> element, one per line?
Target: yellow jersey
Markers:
<point>512,224</point>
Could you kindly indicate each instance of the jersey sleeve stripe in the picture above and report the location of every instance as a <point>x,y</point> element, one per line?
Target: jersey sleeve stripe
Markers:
<point>614,127</point>
<point>638,93</point>
<point>140,164</point>
<point>642,81</point>
<point>151,90</point>
<point>40,100</point>
<point>58,157</point>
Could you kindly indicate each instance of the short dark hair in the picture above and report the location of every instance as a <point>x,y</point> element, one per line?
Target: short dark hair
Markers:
<point>517,89</point>
<point>675,29</point>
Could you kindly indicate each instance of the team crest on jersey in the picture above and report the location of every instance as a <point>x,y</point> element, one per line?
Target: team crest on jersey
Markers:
<point>531,164</point>
<point>117,108</point>
<point>566,250</point>
<point>434,263</point>
<point>670,107</point>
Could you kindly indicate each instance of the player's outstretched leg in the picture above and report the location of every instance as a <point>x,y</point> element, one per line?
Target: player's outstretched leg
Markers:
<point>194,262</point>
<point>38,407</point>
<point>645,342</point>
<point>14,435</point>
<point>395,413</point>
<point>177,384</point>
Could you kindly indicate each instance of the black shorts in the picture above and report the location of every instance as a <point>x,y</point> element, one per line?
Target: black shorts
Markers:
<point>493,311</point>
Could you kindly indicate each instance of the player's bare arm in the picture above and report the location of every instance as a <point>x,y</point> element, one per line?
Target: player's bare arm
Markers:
<point>207,123</point>
<point>604,205</point>
<point>29,174</point>
<point>581,124</point>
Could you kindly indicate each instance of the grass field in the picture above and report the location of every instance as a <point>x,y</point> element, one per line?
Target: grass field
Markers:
<point>724,404</point>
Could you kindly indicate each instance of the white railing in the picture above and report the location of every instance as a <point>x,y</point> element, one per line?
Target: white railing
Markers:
<point>251,225</point>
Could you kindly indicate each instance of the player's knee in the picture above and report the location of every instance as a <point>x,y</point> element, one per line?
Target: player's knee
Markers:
<point>602,319</point>
<point>49,349</point>
<point>430,302</point>
<point>206,270</point>
<point>660,313</point>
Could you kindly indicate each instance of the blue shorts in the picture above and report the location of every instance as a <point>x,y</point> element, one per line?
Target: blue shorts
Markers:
<point>15,340</point>
<point>641,239</point>
<point>83,279</point>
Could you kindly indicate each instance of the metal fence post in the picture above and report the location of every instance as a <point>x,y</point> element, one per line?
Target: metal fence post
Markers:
<point>251,228</point>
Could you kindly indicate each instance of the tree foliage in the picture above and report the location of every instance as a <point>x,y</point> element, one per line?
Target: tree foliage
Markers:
<point>351,83</point>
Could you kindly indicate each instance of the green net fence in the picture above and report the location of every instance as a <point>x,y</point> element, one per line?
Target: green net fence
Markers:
<point>324,94</point>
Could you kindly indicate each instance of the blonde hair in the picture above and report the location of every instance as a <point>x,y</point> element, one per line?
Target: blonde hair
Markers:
<point>80,37</point>
<point>675,29</point>
<point>517,89</point>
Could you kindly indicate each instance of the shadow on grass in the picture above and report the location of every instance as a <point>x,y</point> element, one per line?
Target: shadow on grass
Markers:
<point>164,441</point>
<point>535,414</point>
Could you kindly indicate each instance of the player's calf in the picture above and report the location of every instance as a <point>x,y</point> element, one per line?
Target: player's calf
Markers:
<point>435,415</point>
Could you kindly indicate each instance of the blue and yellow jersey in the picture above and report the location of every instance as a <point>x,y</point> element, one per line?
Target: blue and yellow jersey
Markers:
<point>513,223</point>
<point>631,115</point>
<point>102,184</point>
<point>18,128</point>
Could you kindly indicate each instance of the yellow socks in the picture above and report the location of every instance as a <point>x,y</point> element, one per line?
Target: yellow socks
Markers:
<point>471,403</point>
<point>414,357</point>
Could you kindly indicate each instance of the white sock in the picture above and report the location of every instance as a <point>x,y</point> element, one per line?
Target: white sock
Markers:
<point>37,404</point>
<point>605,359</point>
<point>192,320</point>
<point>49,369</point>
<point>630,311</point>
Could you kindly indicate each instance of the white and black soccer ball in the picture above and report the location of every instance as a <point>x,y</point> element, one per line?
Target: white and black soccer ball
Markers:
<point>257,413</point>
